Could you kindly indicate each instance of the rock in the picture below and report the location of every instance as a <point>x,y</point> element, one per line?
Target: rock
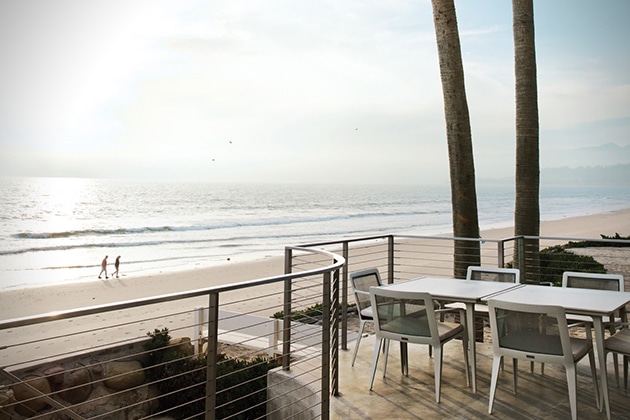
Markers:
<point>136,403</point>
<point>55,375</point>
<point>182,345</point>
<point>124,375</point>
<point>6,399</point>
<point>97,368</point>
<point>30,403</point>
<point>78,386</point>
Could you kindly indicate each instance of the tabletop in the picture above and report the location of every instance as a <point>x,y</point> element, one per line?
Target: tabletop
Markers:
<point>444,288</point>
<point>573,300</point>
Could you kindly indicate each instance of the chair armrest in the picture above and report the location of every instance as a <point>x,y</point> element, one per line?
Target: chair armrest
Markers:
<point>618,325</point>
<point>587,328</point>
<point>462,314</point>
<point>579,324</point>
<point>445,310</point>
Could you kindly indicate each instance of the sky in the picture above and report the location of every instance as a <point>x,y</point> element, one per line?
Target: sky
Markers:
<point>293,91</point>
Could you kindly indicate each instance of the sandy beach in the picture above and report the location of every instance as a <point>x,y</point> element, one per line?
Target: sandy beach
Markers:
<point>31,301</point>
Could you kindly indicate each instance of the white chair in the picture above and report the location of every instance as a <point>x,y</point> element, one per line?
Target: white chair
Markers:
<point>593,280</point>
<point>619,343</point>
<point>409,317</point>
<point>361,282</point>
<point>502,275</point>
<point>537,333</point>
<point>598,281</point>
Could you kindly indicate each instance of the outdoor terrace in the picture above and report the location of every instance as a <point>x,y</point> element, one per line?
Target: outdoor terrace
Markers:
<point>314,380</point>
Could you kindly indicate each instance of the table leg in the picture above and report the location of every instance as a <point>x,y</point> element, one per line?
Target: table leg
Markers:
<point>599,342</point>
<point>470,325</point>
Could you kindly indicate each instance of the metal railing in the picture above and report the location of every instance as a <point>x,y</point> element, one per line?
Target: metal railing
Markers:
<point>98,362</point>
<point>404,257</point>
<point>265,348</point>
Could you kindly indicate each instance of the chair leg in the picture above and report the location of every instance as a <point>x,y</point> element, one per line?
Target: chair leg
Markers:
<point>542,368</point>
<point>356,345</point>
<point>626,360</point>
<point>466,360</point>
<point>515,373</point>
<point>377,352</point>
<point>437,365</point>
<point>591,360</point>
<point>572,385</point>
<point>616,367</point>
<point>386,356</point>
<point>404,359</point>
<point>496,365</point>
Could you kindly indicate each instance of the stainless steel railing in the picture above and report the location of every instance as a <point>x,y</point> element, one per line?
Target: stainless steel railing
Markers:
<point>95,362</point>
<point>58,349</point>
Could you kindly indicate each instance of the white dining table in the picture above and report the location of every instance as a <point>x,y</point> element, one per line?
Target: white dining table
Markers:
<point>468,292</point>
<point>595,303</point>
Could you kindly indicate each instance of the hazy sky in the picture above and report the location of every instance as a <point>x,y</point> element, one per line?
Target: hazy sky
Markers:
<point>292,91</point>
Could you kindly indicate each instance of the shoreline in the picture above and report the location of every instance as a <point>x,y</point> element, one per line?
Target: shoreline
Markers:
<point>17,303</point>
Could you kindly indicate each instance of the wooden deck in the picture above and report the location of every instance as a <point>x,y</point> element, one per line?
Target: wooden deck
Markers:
<point>413,397</point>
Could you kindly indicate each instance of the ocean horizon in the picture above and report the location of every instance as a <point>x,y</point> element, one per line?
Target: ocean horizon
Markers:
<point>57,230</point>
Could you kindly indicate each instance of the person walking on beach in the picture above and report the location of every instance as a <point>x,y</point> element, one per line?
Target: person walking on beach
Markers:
<point>116,265</point>
<point>103,267</point>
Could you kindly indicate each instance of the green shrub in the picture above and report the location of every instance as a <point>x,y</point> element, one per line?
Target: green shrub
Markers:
<point>557,259</point>
<point>181,380</point>
<point>311,314</point>
<point>599,244</point>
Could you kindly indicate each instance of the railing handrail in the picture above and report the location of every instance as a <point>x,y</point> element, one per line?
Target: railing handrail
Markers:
<point>451,238</point>
<point>573,239</point>
<point>337,263</point>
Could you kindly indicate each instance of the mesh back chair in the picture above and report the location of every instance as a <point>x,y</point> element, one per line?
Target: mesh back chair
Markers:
<point>361,282</point>
<point>612,282</point>
<point>593,281</point>
<point>409,317</point>
<point>503,275</point>
<point>537,333</point>
<point>619,343</point>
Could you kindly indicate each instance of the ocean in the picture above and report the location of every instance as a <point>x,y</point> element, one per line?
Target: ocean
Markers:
<point>57,230</point>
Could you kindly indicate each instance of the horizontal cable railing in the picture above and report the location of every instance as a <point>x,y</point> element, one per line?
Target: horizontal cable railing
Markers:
<point>265,348</point>
<point>554,255</point>
<point>404,257</point>
<point>219,352</point>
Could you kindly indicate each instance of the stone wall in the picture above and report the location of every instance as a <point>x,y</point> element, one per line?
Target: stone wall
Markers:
<point>110,381</point>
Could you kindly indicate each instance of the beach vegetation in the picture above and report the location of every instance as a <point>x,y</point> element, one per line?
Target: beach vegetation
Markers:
<point>557,259</point>
<point>310,315</point>
<point>592,244</point>
<point>181,380</point>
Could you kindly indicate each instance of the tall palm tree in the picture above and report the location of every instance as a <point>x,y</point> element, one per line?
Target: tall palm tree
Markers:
<point>527,179</point>
<point>458,135</point>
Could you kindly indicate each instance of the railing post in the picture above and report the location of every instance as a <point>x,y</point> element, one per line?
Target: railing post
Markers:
<point>501,253</point>
<point>211,355</point>
<point>344,299</point>
<point>520,258</point>
<point>390,259</point>
<point>326,347</point>
<point>286,321</point>
<point>335,334</point>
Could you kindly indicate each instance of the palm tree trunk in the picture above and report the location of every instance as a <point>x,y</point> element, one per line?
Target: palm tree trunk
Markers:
<point>459,138</point>
<point>527,180</point>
